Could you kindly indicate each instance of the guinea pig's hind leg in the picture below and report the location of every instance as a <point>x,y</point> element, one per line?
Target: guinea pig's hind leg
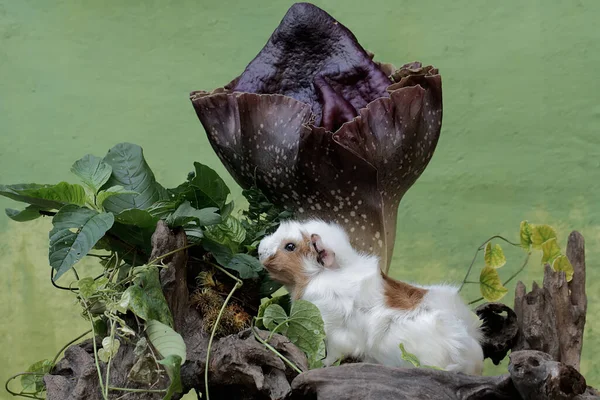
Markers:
<point>325,256</point>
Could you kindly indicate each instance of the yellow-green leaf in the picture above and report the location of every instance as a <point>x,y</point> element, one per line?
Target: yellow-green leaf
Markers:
<point>494,256</point>
<point>562,263</point>
<point>525,235</point>
<point>541,234</point>
<point>550,251</point>
<point>490,284</point>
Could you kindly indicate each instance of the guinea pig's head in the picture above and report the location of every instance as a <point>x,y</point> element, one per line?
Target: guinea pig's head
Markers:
<point>299,250</point>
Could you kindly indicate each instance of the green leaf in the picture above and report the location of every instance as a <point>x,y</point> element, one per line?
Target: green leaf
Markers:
<point>284,301</point>
<point>172,365</point>
<point>35,383</point>
<point>562,263</point>
<point>185,213</point>
<point>109,349</point>
<point>550,250</point>
<point>490,284</point>
<point>136,217</point>
<point>166,341</point>
<point>541,234</point>
<point>307,331</point>
<point>208,187</point>
<point>267,285</point>
<point>525,235</point>
<point>494,256</point>
<point>163,208</point>
<point>87,287</point>
<point>273,316</point>
<point>194,234</point>
<point>247,266</point>
<point>92,171</point>
<point>145,297</point>
<point>221,253</point>
<point>130,170</point>
<point>49,197</point>
<point>28,214</point>
<point>229,232</point>
<point>76,230</point>
<point>111,191</point>
<point>409,357</point>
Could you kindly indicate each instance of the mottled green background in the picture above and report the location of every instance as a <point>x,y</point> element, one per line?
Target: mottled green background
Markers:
<point>520,134</point>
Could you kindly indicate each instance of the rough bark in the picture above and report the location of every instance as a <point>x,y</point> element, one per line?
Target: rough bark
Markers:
<point>552,317</point>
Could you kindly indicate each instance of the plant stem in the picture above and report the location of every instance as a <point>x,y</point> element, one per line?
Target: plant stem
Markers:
<point>67,345</point>
<point>477,252</point>
<point>170,253</point>
<point>268,346</point>
<point>21,394</point>
<point>110,357</point>
<point>137,390</point>
<point>238,284</point>
<point>96,353</point>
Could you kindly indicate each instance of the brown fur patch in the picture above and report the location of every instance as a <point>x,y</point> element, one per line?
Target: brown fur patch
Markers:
<point>400,294</point>
<point>286,267</point>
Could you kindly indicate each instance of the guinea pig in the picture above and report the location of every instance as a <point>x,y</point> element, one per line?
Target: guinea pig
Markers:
<point>367,314</point>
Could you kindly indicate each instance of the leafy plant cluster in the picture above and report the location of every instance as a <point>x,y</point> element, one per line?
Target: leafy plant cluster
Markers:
<point>531,236</point>
<point>111,214</point>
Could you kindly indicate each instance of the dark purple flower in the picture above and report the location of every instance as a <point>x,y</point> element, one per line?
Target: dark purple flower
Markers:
<point>324,130</point>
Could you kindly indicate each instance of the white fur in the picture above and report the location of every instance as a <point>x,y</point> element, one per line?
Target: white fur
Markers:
<point>441,331</point>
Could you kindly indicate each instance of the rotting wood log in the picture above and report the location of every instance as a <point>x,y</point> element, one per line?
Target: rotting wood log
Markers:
<point>552,317</point>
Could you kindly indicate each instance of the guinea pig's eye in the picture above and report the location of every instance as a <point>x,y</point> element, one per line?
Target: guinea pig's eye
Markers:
<point>290,247</point>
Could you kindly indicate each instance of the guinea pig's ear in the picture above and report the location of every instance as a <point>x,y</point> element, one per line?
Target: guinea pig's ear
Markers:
<point>325,256</point>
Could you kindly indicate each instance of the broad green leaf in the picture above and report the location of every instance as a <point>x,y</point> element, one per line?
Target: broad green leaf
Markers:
<point>273,316</point>
<point>130,170</point>
<point>283,301</point>
<point>562,263</point>
<point>550,250</point>
<point>307,331</point>
<point>221,253</point>
<point>172,365</point>
<point>525,235</point>
<point>76,230</point>
<point>208,188</point>
<point>35,383</point>
<point>541,234</point>
<point>136,217</point>
<point>229,232</point>
<point>494,256</point>
<point>163,208</point>
<point>112,191</point>
<point>166,341</point>
<point>92,171</point>
<point>409,357</point>
<point>145,297</point>
<point>490,284</point>
<point>109,349</point>
<point>194,233</point>
<point>185,213</point>
<point>28,214</point>
<point>267,285</point>
<point>50,197</point>
<point>247,266</point>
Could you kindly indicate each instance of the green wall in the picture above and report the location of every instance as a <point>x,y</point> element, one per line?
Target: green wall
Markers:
<point>520,134</point>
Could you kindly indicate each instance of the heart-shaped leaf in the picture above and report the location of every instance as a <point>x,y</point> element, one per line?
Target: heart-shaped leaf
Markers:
<point>165,340</point>
<point>49,197</point>
<point>541,234</point>
<point>562,263</point>
<point>494,256</point>
<point>550,251</point>
<point>247,266</point>
<point>490,284</point>
<point>130,171</point>
<point>525,235</point>
<point>185,213</point>
<point>274,316</point>
<point>35,382</point>
<point>76,230</point>
<point>92,171</point>
<point>205,189</point>
<point>145,297</point>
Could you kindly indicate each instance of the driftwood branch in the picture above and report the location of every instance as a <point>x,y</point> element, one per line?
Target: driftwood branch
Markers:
<point>552,317</point>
